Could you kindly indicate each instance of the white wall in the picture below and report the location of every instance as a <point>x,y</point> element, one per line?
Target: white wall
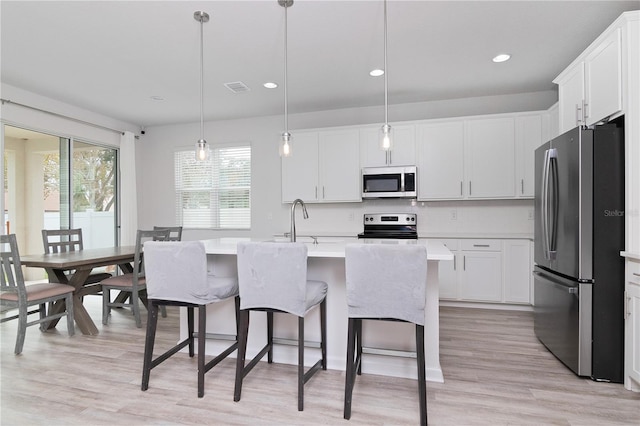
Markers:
<point>154,154</point>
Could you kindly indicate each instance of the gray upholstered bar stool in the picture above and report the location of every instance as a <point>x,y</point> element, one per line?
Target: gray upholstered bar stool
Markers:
<point>176,274</point>
<point>385,282</point>
<point>273,278</point>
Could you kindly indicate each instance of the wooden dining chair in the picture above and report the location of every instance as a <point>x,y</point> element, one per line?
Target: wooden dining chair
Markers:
<point>134,282</point>
<point>14,294</point>
<point>66,240</point>
<point>175,232</point>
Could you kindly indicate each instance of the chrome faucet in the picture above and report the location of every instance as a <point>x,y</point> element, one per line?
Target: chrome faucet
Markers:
<point>305,215</point>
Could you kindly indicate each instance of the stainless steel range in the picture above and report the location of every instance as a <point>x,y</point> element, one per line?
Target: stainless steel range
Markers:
<point>390,225</point>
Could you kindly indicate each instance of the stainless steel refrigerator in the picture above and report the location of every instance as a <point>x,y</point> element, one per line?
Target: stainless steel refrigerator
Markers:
<point>579,233</point>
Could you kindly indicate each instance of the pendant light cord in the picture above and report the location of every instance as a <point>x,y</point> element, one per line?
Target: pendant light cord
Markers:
<point>201,78</point>
<point>286,120</point>
<point>386,104</point>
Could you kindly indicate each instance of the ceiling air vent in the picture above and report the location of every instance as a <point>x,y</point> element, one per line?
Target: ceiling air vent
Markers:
<point>237,87</point>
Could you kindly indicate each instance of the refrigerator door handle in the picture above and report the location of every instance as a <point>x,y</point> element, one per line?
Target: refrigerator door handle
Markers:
<point>545,205</point>
<point>555,201</point>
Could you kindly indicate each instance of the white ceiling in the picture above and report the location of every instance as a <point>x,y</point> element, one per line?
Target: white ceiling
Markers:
<point>111,57</point>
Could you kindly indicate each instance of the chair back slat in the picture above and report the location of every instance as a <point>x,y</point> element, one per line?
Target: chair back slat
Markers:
<point>12,277</point>
<point>175,232</point>
<point>62,240</point>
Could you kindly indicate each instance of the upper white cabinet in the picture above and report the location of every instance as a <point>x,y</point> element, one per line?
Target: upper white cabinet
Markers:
<point>440,160</point>
<point>571,98</point>
<point>324,167</point>
<point>489,158</point>
<point>529,136</point>
<point>603,79</point>
<point>402,154</point>
<point>590,90</point>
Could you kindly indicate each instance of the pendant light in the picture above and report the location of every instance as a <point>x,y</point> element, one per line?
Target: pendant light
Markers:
<point>386,133</point>
<point>285,146</point>
<point>202,148</point>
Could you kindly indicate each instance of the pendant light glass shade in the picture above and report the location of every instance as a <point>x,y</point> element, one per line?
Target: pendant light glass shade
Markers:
<point>285,140</point>
<point>386,133</point>
<point>203,152</point>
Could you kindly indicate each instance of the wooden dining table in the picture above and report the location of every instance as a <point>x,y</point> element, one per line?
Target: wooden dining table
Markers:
<point>73,268</point>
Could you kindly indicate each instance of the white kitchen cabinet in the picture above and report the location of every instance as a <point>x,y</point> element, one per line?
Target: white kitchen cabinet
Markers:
<point>517,271</point>
<point>632,326</point>
<point>440,160</point>
<point>489,157</point>
<point>487,270</point>
<point>300,171</point>
<point>448,272</point>
<point>481,276</point>
<point>339,166</point>
<point>590,89</point>
<point>603,79</point>
<point>403,152</point>
<point>324,167</point>
<point>528,137</point>
<point>571,98</point>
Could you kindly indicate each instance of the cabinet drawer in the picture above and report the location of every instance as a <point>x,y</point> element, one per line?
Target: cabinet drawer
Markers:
<point>481,245</point>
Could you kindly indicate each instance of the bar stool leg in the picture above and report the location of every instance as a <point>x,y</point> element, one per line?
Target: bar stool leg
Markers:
<point>190,330</point>
<point>323,332</point>
<point>270,336</point>
<point>202,331</point>
<point>152,321</point>
<point>350,370</point>
<point>300,363</point>
<point>242,352</point>
<point>422,379</point>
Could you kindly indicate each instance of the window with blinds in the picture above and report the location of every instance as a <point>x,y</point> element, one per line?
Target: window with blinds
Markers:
<point>214,194</point>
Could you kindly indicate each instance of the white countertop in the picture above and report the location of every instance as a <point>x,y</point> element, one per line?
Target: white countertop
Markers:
<point>328,246</point>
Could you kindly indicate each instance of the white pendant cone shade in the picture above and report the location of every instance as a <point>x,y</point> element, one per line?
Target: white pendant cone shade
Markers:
<point>203,152</point>
<point>285,140</point>
<point>386,133</point>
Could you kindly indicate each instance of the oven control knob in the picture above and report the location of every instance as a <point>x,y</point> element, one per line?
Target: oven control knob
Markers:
<point>413,219</point>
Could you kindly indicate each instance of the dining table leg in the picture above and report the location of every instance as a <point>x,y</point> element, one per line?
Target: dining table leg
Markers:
<point>80,314</point>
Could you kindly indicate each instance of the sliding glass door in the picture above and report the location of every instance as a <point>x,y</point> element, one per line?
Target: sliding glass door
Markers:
<point>53,182</point>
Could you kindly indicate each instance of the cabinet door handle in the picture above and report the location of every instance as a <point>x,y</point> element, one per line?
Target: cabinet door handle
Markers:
<point>469,187</point>
<point>636,274</point>
<point>464,263</point>
<point>316,192</point>
<point>585,107</point>
<point>454,262</point>
<point>323,192</point>
<point>481,245</point>
<point>578,109</point>
<point>522,186</point>
<point>461,184</point>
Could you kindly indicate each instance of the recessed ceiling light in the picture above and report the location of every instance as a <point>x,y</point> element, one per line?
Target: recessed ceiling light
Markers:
<point>157,98</point>
<point>270,85</point>
<point>501,57</point>
<point>376,73</point>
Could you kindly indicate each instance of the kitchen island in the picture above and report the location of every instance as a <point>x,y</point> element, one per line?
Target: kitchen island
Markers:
<point>326,263</point>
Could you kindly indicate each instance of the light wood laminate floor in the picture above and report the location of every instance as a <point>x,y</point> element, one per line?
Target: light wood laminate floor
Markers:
<point>496,373</point>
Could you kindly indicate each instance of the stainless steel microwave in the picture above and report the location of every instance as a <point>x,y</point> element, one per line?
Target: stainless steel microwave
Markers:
<point>389,182</point>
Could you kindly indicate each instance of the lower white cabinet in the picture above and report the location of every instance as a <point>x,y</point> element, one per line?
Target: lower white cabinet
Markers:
<point>481,276</point>
<point>487,270</point>
<point>632,326</point>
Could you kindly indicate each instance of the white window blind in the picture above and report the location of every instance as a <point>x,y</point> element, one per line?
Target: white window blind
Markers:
<point>214,194</point>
